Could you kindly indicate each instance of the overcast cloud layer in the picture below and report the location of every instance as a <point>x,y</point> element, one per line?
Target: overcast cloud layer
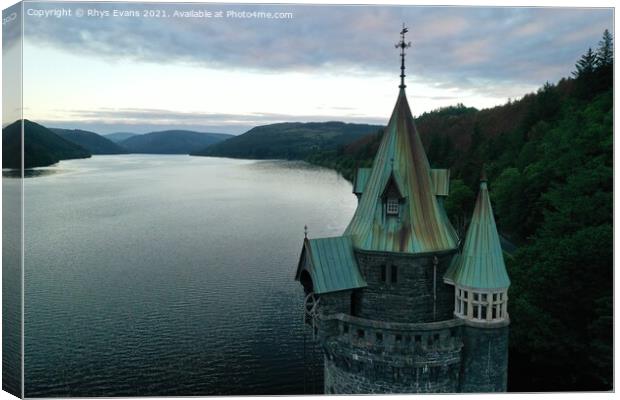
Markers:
<point>525,44</point>
<point>464,48</point>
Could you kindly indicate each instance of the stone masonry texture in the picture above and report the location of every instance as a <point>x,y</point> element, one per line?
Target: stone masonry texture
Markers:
<point>391,337</point>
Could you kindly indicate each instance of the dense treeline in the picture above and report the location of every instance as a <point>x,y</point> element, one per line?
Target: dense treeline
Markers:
<point>549,160</point>
<point>558,197</point>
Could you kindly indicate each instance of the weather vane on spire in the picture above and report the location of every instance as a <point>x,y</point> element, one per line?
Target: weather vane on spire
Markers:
<point>403,45</point>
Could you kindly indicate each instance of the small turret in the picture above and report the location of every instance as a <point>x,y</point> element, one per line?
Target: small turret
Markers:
<point>479,273</point>
<point>481,284</point>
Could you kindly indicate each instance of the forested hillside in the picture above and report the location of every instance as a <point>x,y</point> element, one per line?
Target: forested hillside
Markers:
<point>288,140</point>
<point>549,160</point>
<point>92,142</point>
<point>171,142</point>
<point>41,146</point>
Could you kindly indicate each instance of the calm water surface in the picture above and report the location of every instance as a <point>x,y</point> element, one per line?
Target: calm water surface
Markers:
<point>172,275</point>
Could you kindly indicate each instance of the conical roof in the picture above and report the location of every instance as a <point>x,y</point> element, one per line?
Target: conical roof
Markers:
<point>481,263</point>
<point>422,225</point>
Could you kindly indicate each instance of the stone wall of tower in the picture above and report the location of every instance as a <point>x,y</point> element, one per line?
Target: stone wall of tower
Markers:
<point>382,338</point>
<point>410,298</point>
<point>484,367</point>
<point>465,359</point>
<point>335,302</point>
<point>341,380</point>
<point>398,361</point>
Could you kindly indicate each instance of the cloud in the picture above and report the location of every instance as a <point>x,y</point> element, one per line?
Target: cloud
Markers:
<point>476,52</point>
<point>453,44</point>
<point>108,120</point>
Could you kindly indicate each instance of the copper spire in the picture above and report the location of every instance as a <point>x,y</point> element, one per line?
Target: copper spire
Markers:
<point>403,45</point>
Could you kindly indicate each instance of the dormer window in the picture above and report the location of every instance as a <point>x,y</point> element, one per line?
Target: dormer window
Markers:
<point>392,206</point>
<point>392,197</point>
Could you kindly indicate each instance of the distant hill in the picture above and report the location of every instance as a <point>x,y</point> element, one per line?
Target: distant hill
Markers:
<point>94,143</point>
<point>118,137</point>
<point>289,140</point>
<point>172,142</point>
<point>42,147</point>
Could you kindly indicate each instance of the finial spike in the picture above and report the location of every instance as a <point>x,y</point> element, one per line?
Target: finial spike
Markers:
<point>403,45</point>
<point>306,231</point>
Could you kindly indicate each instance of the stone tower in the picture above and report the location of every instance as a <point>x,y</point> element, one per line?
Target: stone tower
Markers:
<point>395,303</point>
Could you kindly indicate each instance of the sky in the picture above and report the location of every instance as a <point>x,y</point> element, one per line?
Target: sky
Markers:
<point>100,71</point>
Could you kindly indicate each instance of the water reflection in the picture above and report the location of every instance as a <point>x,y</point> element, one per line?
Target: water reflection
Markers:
<point>173,275</point>
<point>31,173</point>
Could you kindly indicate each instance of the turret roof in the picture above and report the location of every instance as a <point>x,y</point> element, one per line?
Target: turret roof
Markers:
<point>481,263</point>
<point>422,225</point>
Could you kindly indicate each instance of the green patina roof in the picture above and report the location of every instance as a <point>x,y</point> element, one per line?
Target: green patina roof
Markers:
<point>331,264</point>
<point>422,225</point>
<point>481,263</point>
<point>361,178</point>
<point>449,275</point>
<point>440,180</point>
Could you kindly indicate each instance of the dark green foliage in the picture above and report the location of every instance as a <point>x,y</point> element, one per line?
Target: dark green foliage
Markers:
<point>594,71</point>
<point>605,51</point>
<point>586,65</point>
<point>171,142</point>
<point>460,204</point>
<point>563,275</point>
<point>42,147</point>
<point>605,61</point>
<point>291,140</point>
<point>508,199</point>
<point>344,159</point>
<point>91,141</point>
<point>450,111</point>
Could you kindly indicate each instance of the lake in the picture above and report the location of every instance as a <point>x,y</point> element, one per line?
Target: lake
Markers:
<point>173,275</point>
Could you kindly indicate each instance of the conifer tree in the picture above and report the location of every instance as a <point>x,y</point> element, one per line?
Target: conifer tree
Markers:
<point>605,52</point>
<point>586,64</point>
